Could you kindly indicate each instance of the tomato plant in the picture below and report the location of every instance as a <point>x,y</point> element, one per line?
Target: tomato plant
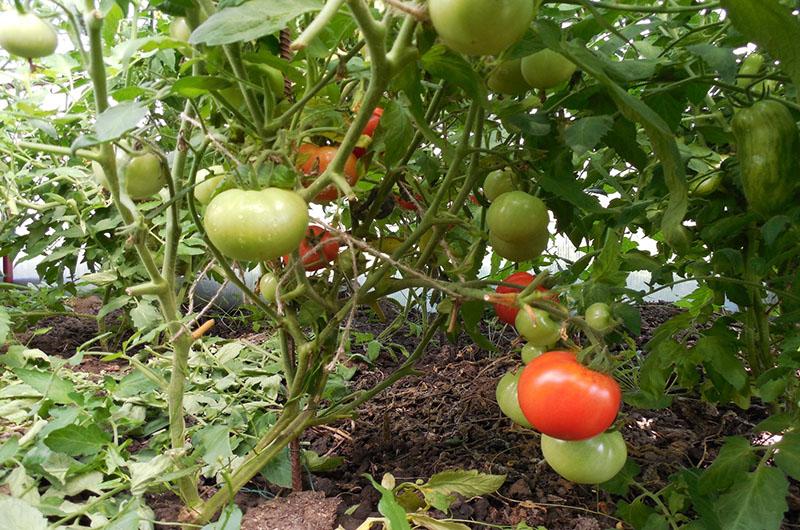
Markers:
<point>506,396</point>
<point>313,160</point>
<point>256,225</point>
<point>590,461</point>
<point>566,400</point>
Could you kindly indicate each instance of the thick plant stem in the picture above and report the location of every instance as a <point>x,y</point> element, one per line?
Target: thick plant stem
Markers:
<point>757,329</point>
<point>129,213</point>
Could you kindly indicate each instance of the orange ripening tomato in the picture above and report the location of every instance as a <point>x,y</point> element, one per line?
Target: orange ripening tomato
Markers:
<point>566,400</point>
<point>312,160</point>
<point>317,249</point>
<point>507,313</point>
<point>369,130</point>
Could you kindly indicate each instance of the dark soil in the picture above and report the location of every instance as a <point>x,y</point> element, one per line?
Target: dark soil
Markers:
<point>447,418</point>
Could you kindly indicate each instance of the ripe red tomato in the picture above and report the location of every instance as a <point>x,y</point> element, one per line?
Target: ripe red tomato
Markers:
<point>312,160</point>
<point>474,200</point>
<point>405,203</point>
<point>317,258</point>
<point>566,400</point>
<point>507,313</point>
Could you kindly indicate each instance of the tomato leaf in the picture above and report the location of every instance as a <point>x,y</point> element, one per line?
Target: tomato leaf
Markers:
<point>250,21</point>
<point>717,57</point>
<point>19,514</point>
<point>397,132</point>
<point>622,481</point>
<point>444,64</point>
<point>733,461</point>
<point>718,350</point>
<point>194,86</point>
<point>788,455</point>
<point>757,501</point>
<point>771,25</point>
<point>229,519</point>
<point>426,521</point>
<point>584,134</point>
<point>49,384</point>
<point>468,484</point>
<point>472,314</point>
<point>75,440</point>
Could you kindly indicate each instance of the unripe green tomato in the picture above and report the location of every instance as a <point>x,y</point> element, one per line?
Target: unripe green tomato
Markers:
<point>478,27</point>
<point>506,78</point>
<point>444,307</point>
<point>506,395</point>
<point>531,351</point>
<point>750,66</point>
<point>517,216</point>
<point>591,461</point>
<point>546,69</point>
<point>598,316</point>
<point>540,330</point>
<point>520,250</point>
<point>26,35</point>
<point>705,186</point>
<point>144,173</point>
<point>179,30</point>
<point>268,286</point>
<point>345,260</point>
<point>210,182</point>
<point>499,182</point>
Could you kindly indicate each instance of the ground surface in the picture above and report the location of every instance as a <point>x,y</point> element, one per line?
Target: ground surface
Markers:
<point>447,418</point>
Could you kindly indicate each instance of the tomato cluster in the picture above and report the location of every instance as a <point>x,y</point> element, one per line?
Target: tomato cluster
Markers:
<point>313,160</point>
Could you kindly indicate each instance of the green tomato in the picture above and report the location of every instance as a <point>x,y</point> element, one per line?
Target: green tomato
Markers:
<point>541,330</point>
<point>591,461</point>
<point>26,35</point>
<point>499,182</point>
<point>517,216</point>
<point>445,307</point>
<point>478,27</point>
<point>598,316</point>
<point>179,30</point>
<point>210,182</point>
<point>268,286</point>
<point>531,351</point>
<point>506,78</point>
<point>750,65</point>
<point>546,69</point>
<point>520,250</point>
<point>705,186</point>
<point>143,172</point>
<point>506,395</point>
<point>256,225</point>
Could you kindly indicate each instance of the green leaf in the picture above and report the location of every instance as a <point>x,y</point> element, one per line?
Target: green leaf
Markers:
<point>756,502</point>
<point>468,484</point>
<point>719,351</point>
<point>5,325</point>
<point>49,384</point>
<point>444,64</point>
<point>717,57</point>
<point>143,474</point>
<point>390,508</point>
<point>9,449</point>
<point>622,481</point>
<point>18,514</point>
<point>250,21</point>
<point>584,134</point>
<point>194,86</point>
<point>772,26</point>
<point>397,132</point>
<point>565,186</point>
<point>145,316</point>
<point>316,463</point>
<point>733,461</point>
<point>788,455</point>
<point>774,227</point>
<point>279,470</point>
<point>229,519</point>
<point>775,424</point>
<point>426,521</point>
<point>214,445</point>
<point>116,121</point>
<point>75,440</point>
<point>472,314</point>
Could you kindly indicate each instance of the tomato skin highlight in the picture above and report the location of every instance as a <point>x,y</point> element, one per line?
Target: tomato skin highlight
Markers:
<point>591,461</point>
<point>256,225</point>
<point>566,400</point>
<point>313,160</point>
<point>506,396</point>
<point>26,35</point>
<point>478,27</point>
<point>315,259</point>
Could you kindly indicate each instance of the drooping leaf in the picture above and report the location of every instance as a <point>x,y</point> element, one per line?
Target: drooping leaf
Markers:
<point>734,460</point>
<point>17,513</point>
<point>788,455</point>
<point>717,57</point>
<point>584,134</point>
<point>444,64</point>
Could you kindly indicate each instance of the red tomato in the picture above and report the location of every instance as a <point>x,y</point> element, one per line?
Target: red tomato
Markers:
<point>317,258</point>
<point>507,313</point>
<point>566,400</point>
<point>312,160</point>
<point>474,200</point>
